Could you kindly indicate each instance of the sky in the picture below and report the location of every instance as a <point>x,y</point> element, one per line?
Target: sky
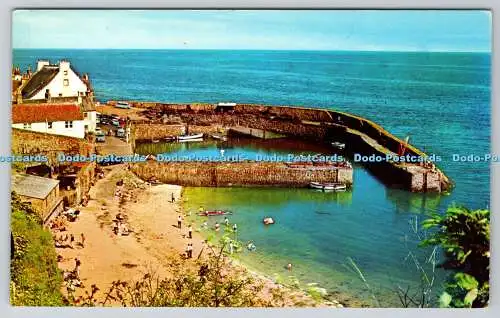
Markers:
<point>356,30</point>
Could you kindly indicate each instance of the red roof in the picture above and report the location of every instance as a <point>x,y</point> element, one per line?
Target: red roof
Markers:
<point>39,113</point>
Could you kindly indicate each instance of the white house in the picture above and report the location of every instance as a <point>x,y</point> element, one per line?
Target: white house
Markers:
<point>57,119</point>
<point>60,83</point>
<point>54,81</point>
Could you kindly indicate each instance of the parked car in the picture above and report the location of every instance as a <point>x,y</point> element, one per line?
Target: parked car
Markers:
<point>100,136</point>
<point>115,122</point>
<point>120,133</point>
<point>122,105</point>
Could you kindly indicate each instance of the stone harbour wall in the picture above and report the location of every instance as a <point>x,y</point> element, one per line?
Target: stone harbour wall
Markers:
<point>227,174</point>
<point>26,142</point>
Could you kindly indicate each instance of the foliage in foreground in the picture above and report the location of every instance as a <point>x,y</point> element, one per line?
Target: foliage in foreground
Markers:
<point>212,285</point>
<point>35,278</point>
<point>464,235</point>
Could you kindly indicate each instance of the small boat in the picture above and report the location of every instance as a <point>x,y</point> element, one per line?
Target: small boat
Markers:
<point>328,186</point>
<point>189,137</point>
<point>268,220</point>
<point>217,212</point>
<point>338,145</point>
<point>218,137</point>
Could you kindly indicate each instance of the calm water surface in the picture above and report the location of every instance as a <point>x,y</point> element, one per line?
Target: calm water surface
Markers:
<point>441,100</point>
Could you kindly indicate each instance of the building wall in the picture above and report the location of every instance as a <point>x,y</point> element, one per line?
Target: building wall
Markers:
<point>56,86</point>
<point>44,206</point>
<point>91,121</point>
<point>58,128</point>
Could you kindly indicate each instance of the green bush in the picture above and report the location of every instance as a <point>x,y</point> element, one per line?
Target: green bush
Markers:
<point>35,277</point>
<point>464,235</point>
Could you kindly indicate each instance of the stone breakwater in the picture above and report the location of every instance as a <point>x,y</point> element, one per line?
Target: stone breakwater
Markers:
<point>227,174</point>
<point>360,135</point>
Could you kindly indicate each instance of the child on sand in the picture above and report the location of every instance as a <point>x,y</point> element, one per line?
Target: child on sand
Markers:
<point>190,231</point>
<point>217,226</point>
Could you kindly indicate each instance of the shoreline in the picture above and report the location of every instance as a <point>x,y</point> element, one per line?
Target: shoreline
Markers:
<point>154,242</point>
<point>327,296</point>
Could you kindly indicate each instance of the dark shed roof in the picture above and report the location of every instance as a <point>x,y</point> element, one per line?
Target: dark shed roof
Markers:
<point>39,80</point>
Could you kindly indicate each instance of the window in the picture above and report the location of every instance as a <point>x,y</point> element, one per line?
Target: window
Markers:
<point>68,124</point>
<point>27,126</point>
<point>65,72</point>
<point>86,115</point>
<point>49,125</point>
<point>66,82</point>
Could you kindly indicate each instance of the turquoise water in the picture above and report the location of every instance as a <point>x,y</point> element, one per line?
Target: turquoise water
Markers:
<point>315,231</point>
<point>441,100</point>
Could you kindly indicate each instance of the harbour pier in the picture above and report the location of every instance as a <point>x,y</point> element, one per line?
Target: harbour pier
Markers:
<point>360,135</point>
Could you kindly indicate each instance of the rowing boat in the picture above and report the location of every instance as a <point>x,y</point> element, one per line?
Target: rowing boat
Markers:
<point>189,137</point>
<point>328,186</point>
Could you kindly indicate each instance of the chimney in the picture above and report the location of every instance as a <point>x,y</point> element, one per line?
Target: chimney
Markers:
<point>41,63</point>
<point>64,66</point>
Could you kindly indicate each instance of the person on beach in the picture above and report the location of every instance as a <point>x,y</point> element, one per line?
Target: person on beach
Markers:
<point>71,240</point>
<point>190,231</point>
<point>289,266</point>
<point>172,199</point>
<point>235,227</point>
<point>179,221</point>
<point>189,250</point>
<point>77,267</point>
<point>82,236</point>
<point>226,221</point>
<point>204,225</point>
<point>217,226</point>
<point>231,247</point>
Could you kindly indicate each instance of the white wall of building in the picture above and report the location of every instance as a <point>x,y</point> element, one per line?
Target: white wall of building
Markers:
<point>90,119</point>
<point>58,128</point>
<point>57,86</point>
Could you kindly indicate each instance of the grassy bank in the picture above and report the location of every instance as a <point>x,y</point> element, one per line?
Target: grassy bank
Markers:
<point>35,278</point>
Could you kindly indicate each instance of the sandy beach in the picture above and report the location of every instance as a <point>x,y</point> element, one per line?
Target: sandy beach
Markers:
<point>154,243</point>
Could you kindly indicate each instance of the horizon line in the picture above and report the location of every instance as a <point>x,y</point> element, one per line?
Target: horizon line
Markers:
<point>242,49</point>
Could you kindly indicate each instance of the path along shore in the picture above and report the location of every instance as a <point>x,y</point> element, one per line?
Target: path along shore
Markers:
<point>155,241</point>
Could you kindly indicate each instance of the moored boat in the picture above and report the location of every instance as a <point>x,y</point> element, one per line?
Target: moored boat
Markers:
<point>328,186</point>
<point>219,137</point>
<point>338,145</point>
<point>189,137</point>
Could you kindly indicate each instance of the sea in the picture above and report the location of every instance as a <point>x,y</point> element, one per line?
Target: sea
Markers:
<point>361,246</point>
